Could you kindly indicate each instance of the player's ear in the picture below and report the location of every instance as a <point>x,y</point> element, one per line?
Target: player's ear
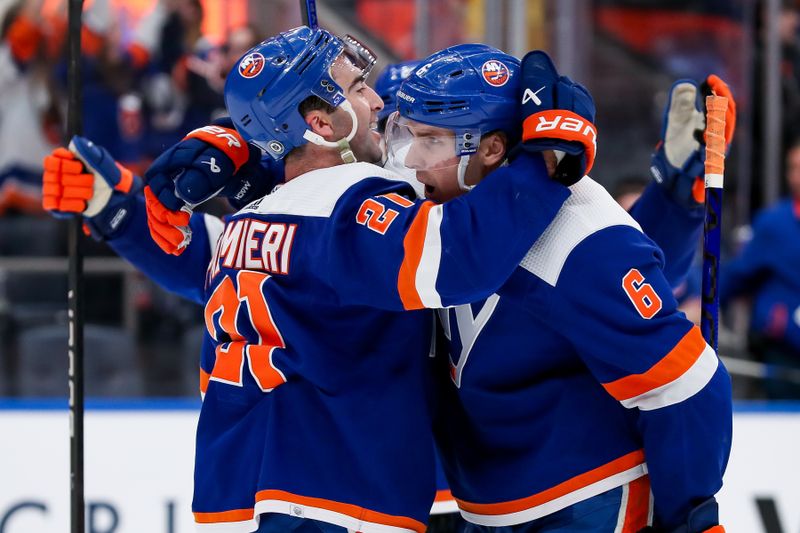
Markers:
<point>492,149</point>
<point>320,122</point>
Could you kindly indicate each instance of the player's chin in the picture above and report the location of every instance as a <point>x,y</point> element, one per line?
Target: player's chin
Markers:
<point>434,194</point>
<point>374,149</point>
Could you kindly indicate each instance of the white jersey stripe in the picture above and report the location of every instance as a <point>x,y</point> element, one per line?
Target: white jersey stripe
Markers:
<point>623,508</point>
<point>428,269</point>
<point>214,228</point>
<point>687,385</point>
<point>326,515</point>
<point>538,511</point>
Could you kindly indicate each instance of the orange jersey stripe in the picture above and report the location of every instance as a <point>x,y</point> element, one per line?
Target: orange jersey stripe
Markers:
<point>669,368</point>
<point>413,244</point>
<point>237,515</point>
<point>626,462</point>
<point>443,496</point>
<point>354,511</point>
<point>205,377</point>
<point>638,506</point>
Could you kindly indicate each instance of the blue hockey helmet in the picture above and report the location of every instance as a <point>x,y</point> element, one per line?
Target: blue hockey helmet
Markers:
<point>470,89</point>
<point>387,84</point>
<point>264,90</point>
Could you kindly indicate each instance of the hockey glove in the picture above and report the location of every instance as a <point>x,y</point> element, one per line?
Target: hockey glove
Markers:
<point>677,164</point>
<point>210,161</point>
<point>559,115</point>
<point>86,180</point>
<point>199,167</point>
<point>702,519</point>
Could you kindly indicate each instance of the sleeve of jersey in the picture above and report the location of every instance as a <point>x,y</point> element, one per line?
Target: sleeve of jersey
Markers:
<point>183,274</point>
<point>614,304</point>
<point>674,228</point>
<point>399,254</point>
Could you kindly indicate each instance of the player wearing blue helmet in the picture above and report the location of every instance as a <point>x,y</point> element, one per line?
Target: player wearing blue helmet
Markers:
<point>388,83</point>
<point>448,109</point>
<point>281,79</point>
<point>557,411</point>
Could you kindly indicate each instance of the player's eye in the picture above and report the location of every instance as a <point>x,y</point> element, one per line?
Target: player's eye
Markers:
<point>432,141</point>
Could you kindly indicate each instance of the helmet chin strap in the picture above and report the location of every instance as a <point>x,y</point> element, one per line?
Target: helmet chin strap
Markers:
<point>342,144</point>
<point>462,170</point>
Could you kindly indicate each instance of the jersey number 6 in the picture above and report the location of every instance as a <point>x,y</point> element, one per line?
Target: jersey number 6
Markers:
<point>642,294</point>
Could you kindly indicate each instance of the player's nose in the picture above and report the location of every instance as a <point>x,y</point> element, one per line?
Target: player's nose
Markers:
<point>375,101</point>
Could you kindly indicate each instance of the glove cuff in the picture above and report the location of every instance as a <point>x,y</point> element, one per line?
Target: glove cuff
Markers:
<point>116,215</point>
<point>226,140</point>
<point>566,126</point>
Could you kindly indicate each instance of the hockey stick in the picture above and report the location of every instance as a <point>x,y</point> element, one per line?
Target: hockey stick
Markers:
<point>75,298</point>
<point>308,9</point>
<point>716,106</point>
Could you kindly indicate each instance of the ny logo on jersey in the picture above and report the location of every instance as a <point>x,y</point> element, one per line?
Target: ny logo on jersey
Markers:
<point>469,327</point>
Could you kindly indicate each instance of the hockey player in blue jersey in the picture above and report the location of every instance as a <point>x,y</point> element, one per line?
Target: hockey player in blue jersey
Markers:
<point>577,389</point>
<point>338,248</point>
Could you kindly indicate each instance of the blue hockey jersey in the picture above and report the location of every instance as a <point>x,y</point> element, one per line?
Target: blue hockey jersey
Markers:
<point>318,396</point>
<point>578,376</point>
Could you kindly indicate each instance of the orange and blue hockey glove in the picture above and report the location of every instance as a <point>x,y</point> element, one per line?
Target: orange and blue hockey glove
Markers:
<point>678,162</point>
<point>559,115</point>
<point>86,180</point>
<point>210,161</point>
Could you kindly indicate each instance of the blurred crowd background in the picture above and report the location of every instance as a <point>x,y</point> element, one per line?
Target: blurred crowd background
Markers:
<point>155,69</point>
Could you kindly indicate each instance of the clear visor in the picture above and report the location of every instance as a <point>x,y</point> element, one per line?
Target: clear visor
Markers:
<point>417,146</point>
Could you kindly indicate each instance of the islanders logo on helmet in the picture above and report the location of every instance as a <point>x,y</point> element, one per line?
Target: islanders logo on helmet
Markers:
<point>495,73</point>
<point>252,65</point>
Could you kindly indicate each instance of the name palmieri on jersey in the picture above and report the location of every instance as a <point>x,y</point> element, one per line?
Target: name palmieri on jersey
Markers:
<point>253,244</point>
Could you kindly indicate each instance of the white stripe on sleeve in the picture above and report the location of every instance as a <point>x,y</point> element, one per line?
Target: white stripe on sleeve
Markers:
<point>687,385</point>
<point>428,269</point>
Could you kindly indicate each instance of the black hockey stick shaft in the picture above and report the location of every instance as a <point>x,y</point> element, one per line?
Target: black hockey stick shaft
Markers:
<point>75,296</point>
<point>308,8</point>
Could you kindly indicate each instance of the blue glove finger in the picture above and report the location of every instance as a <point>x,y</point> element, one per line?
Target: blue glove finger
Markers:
<point>164,189</point>
<point>210,172</point>
<point>539,77</point>
<point>575,97</point>
<point>97,159</point>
